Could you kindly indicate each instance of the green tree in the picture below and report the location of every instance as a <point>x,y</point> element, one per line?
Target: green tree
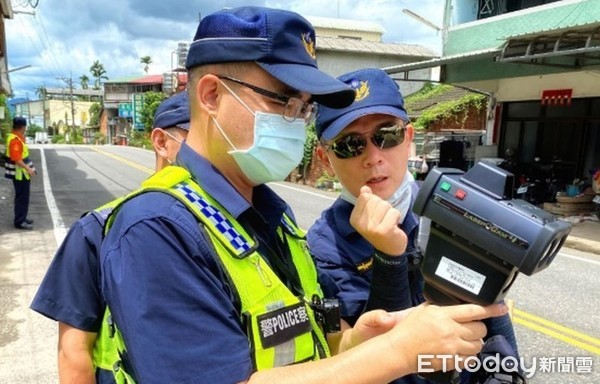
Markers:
<point>40,91</point>
<point>309,149</point>
<point>32,130</point>
<point>151,102</point>
<point>95,111</point>
<point>84,81</point>
<point>98,72</point>
<point>5,124</point>
<point>146,60</point>
<point>99,138</point>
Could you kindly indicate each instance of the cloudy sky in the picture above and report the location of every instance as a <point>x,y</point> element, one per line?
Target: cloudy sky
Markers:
<point>65,37</point>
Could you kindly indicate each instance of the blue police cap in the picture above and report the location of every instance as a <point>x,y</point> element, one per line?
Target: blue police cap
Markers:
<point>376,93</point>
<point>281,42</point>
<point>173,112</point>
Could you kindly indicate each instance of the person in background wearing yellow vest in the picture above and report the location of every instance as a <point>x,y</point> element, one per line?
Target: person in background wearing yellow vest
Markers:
<point>19,168</point>
<point>70,292</point>
<point>236,298</point>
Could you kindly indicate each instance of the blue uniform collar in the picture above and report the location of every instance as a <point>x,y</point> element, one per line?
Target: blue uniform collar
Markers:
<point>266,202</point>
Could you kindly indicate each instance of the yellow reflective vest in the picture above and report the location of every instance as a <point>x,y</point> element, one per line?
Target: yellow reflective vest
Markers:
<point>281,327</point>
<point>12,170</point>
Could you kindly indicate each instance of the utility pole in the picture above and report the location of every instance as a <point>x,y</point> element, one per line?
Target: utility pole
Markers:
<point>69,82</point>
<point>45,127</point>
<point>72,102</point>
<point>28,110</point>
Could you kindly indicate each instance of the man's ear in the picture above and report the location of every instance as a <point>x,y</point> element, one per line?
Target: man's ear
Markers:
<point>410,133</point>
<point>159,141</point>
<point>324,158</point>
<point>207,92</point>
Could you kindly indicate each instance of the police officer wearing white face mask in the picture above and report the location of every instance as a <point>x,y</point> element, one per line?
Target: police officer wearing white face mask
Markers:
<point>76,303</point>
<point>171,126</point>
<point>206,275</point>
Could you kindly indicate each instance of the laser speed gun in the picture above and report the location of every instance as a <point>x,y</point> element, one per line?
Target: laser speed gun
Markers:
<point>480,237</point>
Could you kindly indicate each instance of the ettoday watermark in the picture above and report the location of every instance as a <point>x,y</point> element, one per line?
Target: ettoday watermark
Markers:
<point>508,364</point>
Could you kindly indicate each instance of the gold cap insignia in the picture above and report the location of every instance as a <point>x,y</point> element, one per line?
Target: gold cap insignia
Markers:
<point>309,45</point>
<point>362,89</point>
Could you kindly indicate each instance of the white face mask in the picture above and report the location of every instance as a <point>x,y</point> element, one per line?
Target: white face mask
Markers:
<point>278,146</point>
<point>176,139</point>
<point>400,199</point>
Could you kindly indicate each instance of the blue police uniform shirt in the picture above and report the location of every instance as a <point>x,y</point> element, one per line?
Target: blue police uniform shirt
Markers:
<point>344,258</point>
<point>165,286</point>
<point>70,291</point>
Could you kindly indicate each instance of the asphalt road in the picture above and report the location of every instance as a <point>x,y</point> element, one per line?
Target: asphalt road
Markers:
<point>556,311</point>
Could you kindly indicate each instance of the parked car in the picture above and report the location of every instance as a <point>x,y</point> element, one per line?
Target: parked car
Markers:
<point>41,138</point>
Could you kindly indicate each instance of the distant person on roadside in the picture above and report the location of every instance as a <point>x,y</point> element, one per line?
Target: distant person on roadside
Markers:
<point>19,168</point>
<point>70,292</point>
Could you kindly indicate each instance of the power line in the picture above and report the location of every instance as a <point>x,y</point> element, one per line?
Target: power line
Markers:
<point>49,43</point>
<point>39,50</point>
<point>24,3</point>
<point>42,45</point>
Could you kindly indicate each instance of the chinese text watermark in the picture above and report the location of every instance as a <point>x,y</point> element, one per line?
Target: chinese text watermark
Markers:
<point>508,364</point>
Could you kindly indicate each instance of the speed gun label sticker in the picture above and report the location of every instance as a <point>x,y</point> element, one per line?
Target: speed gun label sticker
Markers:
<point>460,275</point>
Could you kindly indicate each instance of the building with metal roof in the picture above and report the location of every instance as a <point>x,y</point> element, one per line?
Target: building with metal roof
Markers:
<point>539,61</point>
<point>336,27</point>
<point>346,45</point>
<point>123,100</point>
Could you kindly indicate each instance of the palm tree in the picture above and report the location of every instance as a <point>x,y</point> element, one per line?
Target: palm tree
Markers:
<point>84,80</point>
<point>97,70</point>
<point>147,60</point>
<point>40,91</point>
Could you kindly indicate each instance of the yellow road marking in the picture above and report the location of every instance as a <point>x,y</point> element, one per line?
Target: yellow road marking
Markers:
<point>558,327</point>
<point>124,160</point>
<point>547,327</point>
<point>557,331</point>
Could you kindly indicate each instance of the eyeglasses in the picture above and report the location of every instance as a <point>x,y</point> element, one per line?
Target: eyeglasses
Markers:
<point>294,107</point>
<point>354,144</point>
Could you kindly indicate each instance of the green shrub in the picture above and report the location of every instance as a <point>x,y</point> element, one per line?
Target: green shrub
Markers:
<point>139,139</point>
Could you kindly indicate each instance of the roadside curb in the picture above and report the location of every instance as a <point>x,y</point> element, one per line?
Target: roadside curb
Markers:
<point>581,244</point>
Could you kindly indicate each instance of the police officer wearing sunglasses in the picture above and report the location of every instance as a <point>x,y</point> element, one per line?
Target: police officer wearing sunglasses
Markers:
<point>206,275</point>
<point>365,243</point>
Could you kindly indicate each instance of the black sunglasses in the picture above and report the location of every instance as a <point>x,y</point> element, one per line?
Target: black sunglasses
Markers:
<point>354,144</point>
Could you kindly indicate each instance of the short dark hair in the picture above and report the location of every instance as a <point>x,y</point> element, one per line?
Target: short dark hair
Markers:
<point>19,122</point>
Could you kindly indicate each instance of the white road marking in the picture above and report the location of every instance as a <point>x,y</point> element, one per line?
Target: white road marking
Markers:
<point>305,191</point>
<point>59,225</point>
<point>579,258</point>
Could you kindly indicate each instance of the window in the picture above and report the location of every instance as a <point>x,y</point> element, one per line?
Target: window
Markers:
<point>576,108</point>
<point>526,109</point>
<point>566,136</point>
<point>529,142</point>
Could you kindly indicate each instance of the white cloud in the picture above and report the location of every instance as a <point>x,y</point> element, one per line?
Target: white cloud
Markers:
<point>64,39</point>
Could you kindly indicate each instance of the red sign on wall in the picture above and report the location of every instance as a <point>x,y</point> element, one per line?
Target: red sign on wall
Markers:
<point>557,97</point>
